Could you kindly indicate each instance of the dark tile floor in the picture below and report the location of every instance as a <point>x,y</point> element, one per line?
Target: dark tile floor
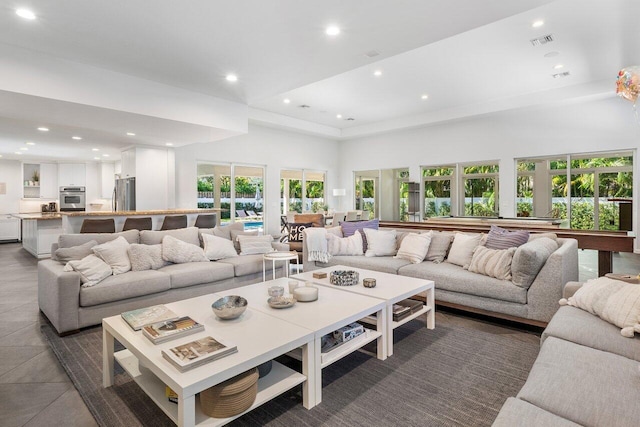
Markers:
<point>35,390</point>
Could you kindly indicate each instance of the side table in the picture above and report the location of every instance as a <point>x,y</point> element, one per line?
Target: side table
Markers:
<point>278,256</point>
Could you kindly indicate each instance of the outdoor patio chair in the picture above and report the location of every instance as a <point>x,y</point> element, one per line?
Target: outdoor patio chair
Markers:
<point>240,213</point>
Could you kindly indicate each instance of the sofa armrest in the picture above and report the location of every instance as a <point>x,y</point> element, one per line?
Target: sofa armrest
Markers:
<point>570,288</point>
<point>59,295</point>
<point>546,290</point>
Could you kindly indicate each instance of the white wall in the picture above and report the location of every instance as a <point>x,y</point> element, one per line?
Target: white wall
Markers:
<point>273,148</point>
<point>597,125</point>
<point>11,175</point>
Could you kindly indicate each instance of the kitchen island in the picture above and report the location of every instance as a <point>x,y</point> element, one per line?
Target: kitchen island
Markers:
<point>72,221</point>
<point>39,231</point>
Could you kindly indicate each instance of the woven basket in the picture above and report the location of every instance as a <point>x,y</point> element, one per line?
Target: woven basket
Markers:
<point>231,397</point>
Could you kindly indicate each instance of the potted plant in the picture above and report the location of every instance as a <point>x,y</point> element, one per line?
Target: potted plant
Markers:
<point>36,177</point>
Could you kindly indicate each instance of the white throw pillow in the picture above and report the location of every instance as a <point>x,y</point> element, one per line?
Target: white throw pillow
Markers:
<point>145,257</point>
<point>216,248</point>
<point>336,231</point>
<point>92,270</point>
<point>462,249</point>
<point>614,301</point>
<point>380,242</point>
<point>350,246</point>
<point>492,262</point>
<point>251,245</point>
<point>115,254</point>
<point>414,247</point>
<point>179,252</point>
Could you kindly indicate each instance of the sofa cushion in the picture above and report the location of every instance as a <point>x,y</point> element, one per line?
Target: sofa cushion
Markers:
<point>462,249</point>
<point>296,230</point>
<point>316,219</point>
<point>237,233</point>
<point>347,246</point>
<point>380,242</point>
<point>246,264</point>
<point>414,246</point>
<point>529,259</point>
<point>92,270</point>
<point>492,262</point>
<point>70,240</point>
<point>439,246</point>
<point>578,326</point>
<point>123,286</point>
<point>180,252</point>
<point>516,412</point>
<point>384,264</point>
<point>145,257</point>
<point>224,231</point>
<point>454,278</point>
<point>587,386</point>
<point>115,254</point>
<point>500,238</point>
<point>216,248</point>
<point>350,227</point>
<point>196,273</point>
<point>188,235</point>
<point>74,253</point>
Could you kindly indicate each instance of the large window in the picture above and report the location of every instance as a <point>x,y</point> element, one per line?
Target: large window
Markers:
<point>461,190</point>
<point>367,192</point>
<point>237,189</point>
<point>590,191</point>
<point>302,191</point>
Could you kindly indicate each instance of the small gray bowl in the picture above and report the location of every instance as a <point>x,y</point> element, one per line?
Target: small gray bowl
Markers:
<point>229,307</point>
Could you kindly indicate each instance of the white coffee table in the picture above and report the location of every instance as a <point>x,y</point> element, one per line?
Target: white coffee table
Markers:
<point>333,310</point>
<point>389,287</point>
<point>258,336</point>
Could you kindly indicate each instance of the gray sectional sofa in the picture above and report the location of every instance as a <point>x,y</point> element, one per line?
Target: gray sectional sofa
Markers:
<point>69,306</point>
<point>455,286</point>
<point>586,374</point>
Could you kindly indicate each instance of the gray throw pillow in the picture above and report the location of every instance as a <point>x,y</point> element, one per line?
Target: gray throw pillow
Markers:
<point>529,259</point>
<point>70,240</point>
<point>224,231</point>
<point>439,246</point>
<point>74,253</point>
<point>236,233</point>
<point>145,257</point>
<point>189,235</point>
<point>499,238</point>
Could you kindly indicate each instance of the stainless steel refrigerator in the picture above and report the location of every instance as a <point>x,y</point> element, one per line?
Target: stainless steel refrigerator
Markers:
<point>124,195</point>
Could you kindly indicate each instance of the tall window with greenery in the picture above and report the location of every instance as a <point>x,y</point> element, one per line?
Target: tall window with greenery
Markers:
<point>301,191</point>
<point>437,190</point>
<point>480,183</point>
<point>524,188</point>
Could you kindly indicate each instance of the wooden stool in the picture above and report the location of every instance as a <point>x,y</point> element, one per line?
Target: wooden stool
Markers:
<point>137,223</point>
<point>98,226</point>
<point>174,222</point>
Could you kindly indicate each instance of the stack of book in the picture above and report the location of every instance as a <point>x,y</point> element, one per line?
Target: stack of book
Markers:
<point>341,336</point>
<point>160,332</point>
<point>196,353</point>
<point>405,308</point>
<point>141,317</point>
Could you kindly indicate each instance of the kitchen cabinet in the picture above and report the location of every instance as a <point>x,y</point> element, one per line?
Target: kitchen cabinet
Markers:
<point>9,227</point>
<point>70,174</point>
<point>107,180</point>
<point>40,180</point>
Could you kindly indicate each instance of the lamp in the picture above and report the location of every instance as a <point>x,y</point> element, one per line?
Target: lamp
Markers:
<point>339,192</point>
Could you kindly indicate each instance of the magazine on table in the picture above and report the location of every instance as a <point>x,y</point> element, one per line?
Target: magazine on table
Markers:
<point>141,317</point>
<point>196,353</point>
<point>166,330</point>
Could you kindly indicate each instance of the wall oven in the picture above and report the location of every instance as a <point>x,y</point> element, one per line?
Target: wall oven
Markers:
<point>72,199</point>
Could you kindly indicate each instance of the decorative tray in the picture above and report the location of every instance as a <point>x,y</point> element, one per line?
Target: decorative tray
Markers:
<point>344,277</point>
<point>277,254</point>
<point>281,302</point>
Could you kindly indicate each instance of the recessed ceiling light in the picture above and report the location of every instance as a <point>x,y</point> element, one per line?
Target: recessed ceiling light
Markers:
<point>551,54</point>
<point>105,155</point>
<point>18,152</point>
<point>338,116</point>
<point>377,73</point>
<point>425,96</point>
<point>537,24</point>
<point>558,66</point>
<point>96,158</point>
<point>0,155</point>
<point>95,149</point>
<point>232,78</point>
<point>30,143</point>
<point>77,138</point>
<point>286,100</point>
<point>26,14</point>
<point>169,144</point>
<point>131,134</point>
<point>332,30</point>
<point>43,129</point>
<point>24,148</point>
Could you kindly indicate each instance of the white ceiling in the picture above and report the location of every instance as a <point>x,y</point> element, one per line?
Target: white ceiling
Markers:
<point>470,57</point>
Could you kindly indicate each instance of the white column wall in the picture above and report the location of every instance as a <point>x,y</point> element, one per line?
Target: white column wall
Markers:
<point>276,149</point>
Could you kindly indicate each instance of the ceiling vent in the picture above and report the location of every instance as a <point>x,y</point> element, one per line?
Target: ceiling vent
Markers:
<point>560,75</point>
<point>350,118</point>
<point>304,106</point>
<point>542,40</point>
<point>372,53</point>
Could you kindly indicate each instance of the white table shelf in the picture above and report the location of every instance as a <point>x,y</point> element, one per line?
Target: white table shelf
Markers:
<point>425,309</point>
<point>279,380</point>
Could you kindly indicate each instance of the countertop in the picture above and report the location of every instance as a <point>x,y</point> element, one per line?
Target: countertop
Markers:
<point>38,215</point>
<point>134,213</point>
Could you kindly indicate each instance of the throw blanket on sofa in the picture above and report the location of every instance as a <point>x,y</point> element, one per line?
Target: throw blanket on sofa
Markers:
<point>317,244</point>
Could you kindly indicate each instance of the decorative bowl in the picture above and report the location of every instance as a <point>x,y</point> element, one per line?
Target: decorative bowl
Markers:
<point>344,277</point>
<point>369,283</point>
<point>276,291</point>
<point>305,293</point>
<point>281,302</point>
<point>229,307</point>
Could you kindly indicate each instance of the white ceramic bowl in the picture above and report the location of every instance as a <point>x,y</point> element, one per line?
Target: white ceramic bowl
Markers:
<point>305,293</point>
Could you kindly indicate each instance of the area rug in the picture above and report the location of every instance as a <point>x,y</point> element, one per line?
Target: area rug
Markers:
<point>450,376</point>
